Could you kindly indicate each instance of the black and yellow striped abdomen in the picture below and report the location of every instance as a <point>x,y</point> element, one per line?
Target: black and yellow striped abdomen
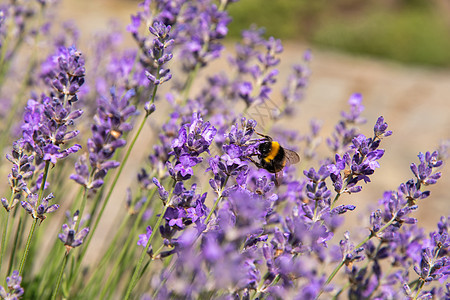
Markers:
<point>273,157</point>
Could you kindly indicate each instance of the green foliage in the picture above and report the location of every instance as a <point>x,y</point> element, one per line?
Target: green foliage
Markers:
<point>410,36</point>
<point>279,18</point>
<point>411,31</point>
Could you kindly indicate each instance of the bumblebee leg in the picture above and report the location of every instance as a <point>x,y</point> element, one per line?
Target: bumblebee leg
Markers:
<point>264,136</point>
<point>255,162</point>
<point>278,178</point>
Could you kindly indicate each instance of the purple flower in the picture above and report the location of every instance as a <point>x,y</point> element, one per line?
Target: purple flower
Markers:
<point>194,138</point>
<point>46,127</point>
<point>65,71</point>
<point>38,209</point>
<point>256,60</point>
<point>349,253</point>
<point>183,169</point>
<point>398,205</point>
<point>434,262</point>
<point>143,238</point>
<point>345,130</point>
<point>186,207</point>
<point>380,129</point>
<point>423,171</point>
<point>163,194</point>
<point>349,169</point>
<point>356,108</point>
<point>21,171</point>
<point>317,189</point>
<point>203,25</point>
<point>156,54</point>
<point>110,124</point>
<point>296,84</point>
<point>69,236</point>
<point>15,291</point>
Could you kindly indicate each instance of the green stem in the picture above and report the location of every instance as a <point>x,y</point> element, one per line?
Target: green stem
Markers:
<point>50,259</point>
<point>44,180</point>
<point>217,200</point>
<point>189,82</point>
<point>116,178</point>
<point>338,267</point>
<point>335,200</point>
<point>137,270</point>
<point>15,244</point>
<point>126,246</point>
<point>421,280</point>
<point>108,196</point>
<point>371,235</point>
<point>5,231</point>
<point>61,272</point>
<point>33,226</point>
<point>83,205</point>
<point>316,207</point>
<point>193,74</point>
<point>27,247</point>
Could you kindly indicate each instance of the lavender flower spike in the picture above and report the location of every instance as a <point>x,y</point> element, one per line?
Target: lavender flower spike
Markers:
<point>38,211</point>
<point>69,236</point>
<point>13,284</point>
<point>157,54</point>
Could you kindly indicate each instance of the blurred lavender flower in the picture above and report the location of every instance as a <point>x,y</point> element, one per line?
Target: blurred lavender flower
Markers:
<point>15,291</point>
<point>346,129</point>
<point>123,73</point>
<point>296,84</point>
<point>69,236</point>
<point>313,140</point>
<point>349,253</point>
<point>155,52</point>
<point>203,25</point>
<point>14,17</point>
<point>65,73</point>
<point>110,124</point>
<point>160,154</point>
<point>257,64</point>
<point>143,238</point>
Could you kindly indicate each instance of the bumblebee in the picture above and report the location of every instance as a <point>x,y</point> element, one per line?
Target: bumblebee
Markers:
<point>273,157</point>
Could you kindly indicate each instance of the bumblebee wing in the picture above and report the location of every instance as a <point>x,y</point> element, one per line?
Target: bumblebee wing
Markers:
<point>291,157</point>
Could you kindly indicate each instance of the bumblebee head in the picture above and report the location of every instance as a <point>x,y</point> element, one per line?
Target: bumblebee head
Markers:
<point>265,148</point>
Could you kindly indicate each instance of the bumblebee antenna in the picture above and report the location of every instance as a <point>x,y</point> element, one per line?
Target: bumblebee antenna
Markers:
<point>264,136</point>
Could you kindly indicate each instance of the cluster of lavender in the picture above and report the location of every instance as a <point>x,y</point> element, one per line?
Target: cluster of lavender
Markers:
<point>202,220</point>
<point>47,123</point>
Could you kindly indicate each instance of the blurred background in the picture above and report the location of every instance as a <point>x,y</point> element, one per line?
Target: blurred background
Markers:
<point>396,53</point>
